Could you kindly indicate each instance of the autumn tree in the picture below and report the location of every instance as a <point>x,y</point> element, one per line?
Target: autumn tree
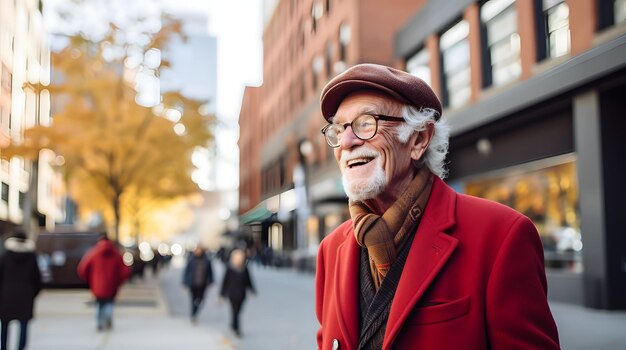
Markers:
<point>117,153</point>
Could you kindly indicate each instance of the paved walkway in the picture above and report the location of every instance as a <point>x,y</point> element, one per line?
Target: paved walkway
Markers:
<point>589,329</point>
<point>65,320</point>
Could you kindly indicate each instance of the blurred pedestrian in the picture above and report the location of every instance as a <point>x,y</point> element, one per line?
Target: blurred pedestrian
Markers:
<point>156,262</point>
<point>20,282</point>
<point>103,268</point>
<point>236,281</point>
<point>418,265</point>
<point>197,278</point>
<point>138,268</point>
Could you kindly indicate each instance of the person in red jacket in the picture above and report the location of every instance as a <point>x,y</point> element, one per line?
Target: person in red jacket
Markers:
<point>104,269</point>
<point>419,266</point>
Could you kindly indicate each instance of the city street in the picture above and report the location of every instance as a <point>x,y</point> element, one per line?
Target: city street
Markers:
<point>154,314</point>
<point>281,316</point>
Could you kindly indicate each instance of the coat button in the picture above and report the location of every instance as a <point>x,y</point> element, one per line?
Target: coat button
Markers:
<point>335,344</point>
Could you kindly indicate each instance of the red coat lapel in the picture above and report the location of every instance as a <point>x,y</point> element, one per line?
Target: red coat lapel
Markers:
<point>347,290</point>
<point>429,252</point>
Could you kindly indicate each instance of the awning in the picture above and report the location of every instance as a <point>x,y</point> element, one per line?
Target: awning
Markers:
<point>256,214</point>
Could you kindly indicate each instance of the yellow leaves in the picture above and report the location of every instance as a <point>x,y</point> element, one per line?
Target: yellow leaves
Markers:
<point>36,139</point>
<point>116,151</point>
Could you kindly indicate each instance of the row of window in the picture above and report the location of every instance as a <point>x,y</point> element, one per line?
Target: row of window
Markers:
<point>322,69</point>
<point>292,7</point>
<point>4,195</point>
<point>6,81</point>
<point>307,25</point>
<point>501,47</point>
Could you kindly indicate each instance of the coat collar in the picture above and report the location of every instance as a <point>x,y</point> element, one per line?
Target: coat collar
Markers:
<point>430,250</point>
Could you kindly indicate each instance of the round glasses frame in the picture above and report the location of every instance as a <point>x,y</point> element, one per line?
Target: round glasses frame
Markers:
<point>356,132</point>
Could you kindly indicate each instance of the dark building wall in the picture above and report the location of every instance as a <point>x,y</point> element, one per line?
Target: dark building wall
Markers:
<point>538,133</point>
<point>612,106</point>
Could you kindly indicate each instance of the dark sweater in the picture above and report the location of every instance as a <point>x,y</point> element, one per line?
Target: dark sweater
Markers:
<point>235,283</point>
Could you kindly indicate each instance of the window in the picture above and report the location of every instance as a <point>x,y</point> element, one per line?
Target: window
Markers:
<point>5,192</point>
<point>329,59</point>
<point>344,40</point>
<point>6,78</point>
<point>317,10</point>
<point>418,65</point>
<point>619,11</point>
<point>22,200</point>
<point>554,32</point>
<point>455,55</point>
<point>549,197</point>
<point>302,34</point>
<point>316,67</point>
<point>611,12</point>
<point>344,36</point>
<point>502,42</point>
<point>4,120</point>
<point>302,88</point>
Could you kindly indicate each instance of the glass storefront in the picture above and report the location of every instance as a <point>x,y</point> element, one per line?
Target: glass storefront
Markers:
<point>548,194</point>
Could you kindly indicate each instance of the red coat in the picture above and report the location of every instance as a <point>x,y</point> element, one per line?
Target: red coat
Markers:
<point>103,268</point>
<point>474,279</point>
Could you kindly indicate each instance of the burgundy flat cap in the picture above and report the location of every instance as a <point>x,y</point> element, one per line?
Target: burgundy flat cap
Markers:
<point>401,85</point>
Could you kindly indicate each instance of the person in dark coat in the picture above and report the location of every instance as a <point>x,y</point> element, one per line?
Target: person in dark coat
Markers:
<point>20,282</point>
<point>104,269</point>
<point>197,278</point>
<point>234,286</point>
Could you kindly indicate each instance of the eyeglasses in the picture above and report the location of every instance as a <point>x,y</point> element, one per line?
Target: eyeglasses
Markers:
<point>364,127</point>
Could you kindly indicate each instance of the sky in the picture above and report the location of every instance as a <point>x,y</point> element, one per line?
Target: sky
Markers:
<point>237,25</point>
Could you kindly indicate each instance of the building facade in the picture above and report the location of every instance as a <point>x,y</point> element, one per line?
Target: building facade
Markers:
<point>290,192</point>
<point>533,90</point>
<point>30,190</point>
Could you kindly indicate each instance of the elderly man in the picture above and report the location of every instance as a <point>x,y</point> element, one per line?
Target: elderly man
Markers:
<point>419,266</point>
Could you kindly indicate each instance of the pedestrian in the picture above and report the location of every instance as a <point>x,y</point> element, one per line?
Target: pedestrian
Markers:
<point>197,278</point>
<point>155,263</point>
<point>20,282</point>
<point>104,270</point>
<point>236,282</point>
<point>419,266</point>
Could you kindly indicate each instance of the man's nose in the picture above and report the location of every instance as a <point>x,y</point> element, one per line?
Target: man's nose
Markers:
<point>349,139</point>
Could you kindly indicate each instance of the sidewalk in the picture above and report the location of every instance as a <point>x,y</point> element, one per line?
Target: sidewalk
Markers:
<point>582,328</point>
<point>65,320</point>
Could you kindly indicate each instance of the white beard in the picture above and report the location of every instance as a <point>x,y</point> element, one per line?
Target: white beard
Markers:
<point>359,189</point>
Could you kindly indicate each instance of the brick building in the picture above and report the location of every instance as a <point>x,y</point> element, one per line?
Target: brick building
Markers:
<point>532,89</point>
<point>290,192</point>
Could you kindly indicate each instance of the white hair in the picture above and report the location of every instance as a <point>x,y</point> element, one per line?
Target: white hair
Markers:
<point>416,120</point>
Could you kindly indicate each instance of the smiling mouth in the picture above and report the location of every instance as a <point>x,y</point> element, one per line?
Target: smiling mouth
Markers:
<point>358,162</point>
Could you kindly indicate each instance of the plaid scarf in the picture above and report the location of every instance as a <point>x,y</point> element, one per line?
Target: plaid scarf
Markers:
<point>384,235</point>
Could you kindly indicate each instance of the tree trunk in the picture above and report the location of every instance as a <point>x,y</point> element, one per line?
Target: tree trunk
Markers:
<point>116,213</point>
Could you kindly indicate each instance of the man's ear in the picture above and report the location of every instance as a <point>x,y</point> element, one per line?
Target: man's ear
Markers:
<point>421,140</point>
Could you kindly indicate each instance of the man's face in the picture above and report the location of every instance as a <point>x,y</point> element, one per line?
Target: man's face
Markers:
<point>378,168</point>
